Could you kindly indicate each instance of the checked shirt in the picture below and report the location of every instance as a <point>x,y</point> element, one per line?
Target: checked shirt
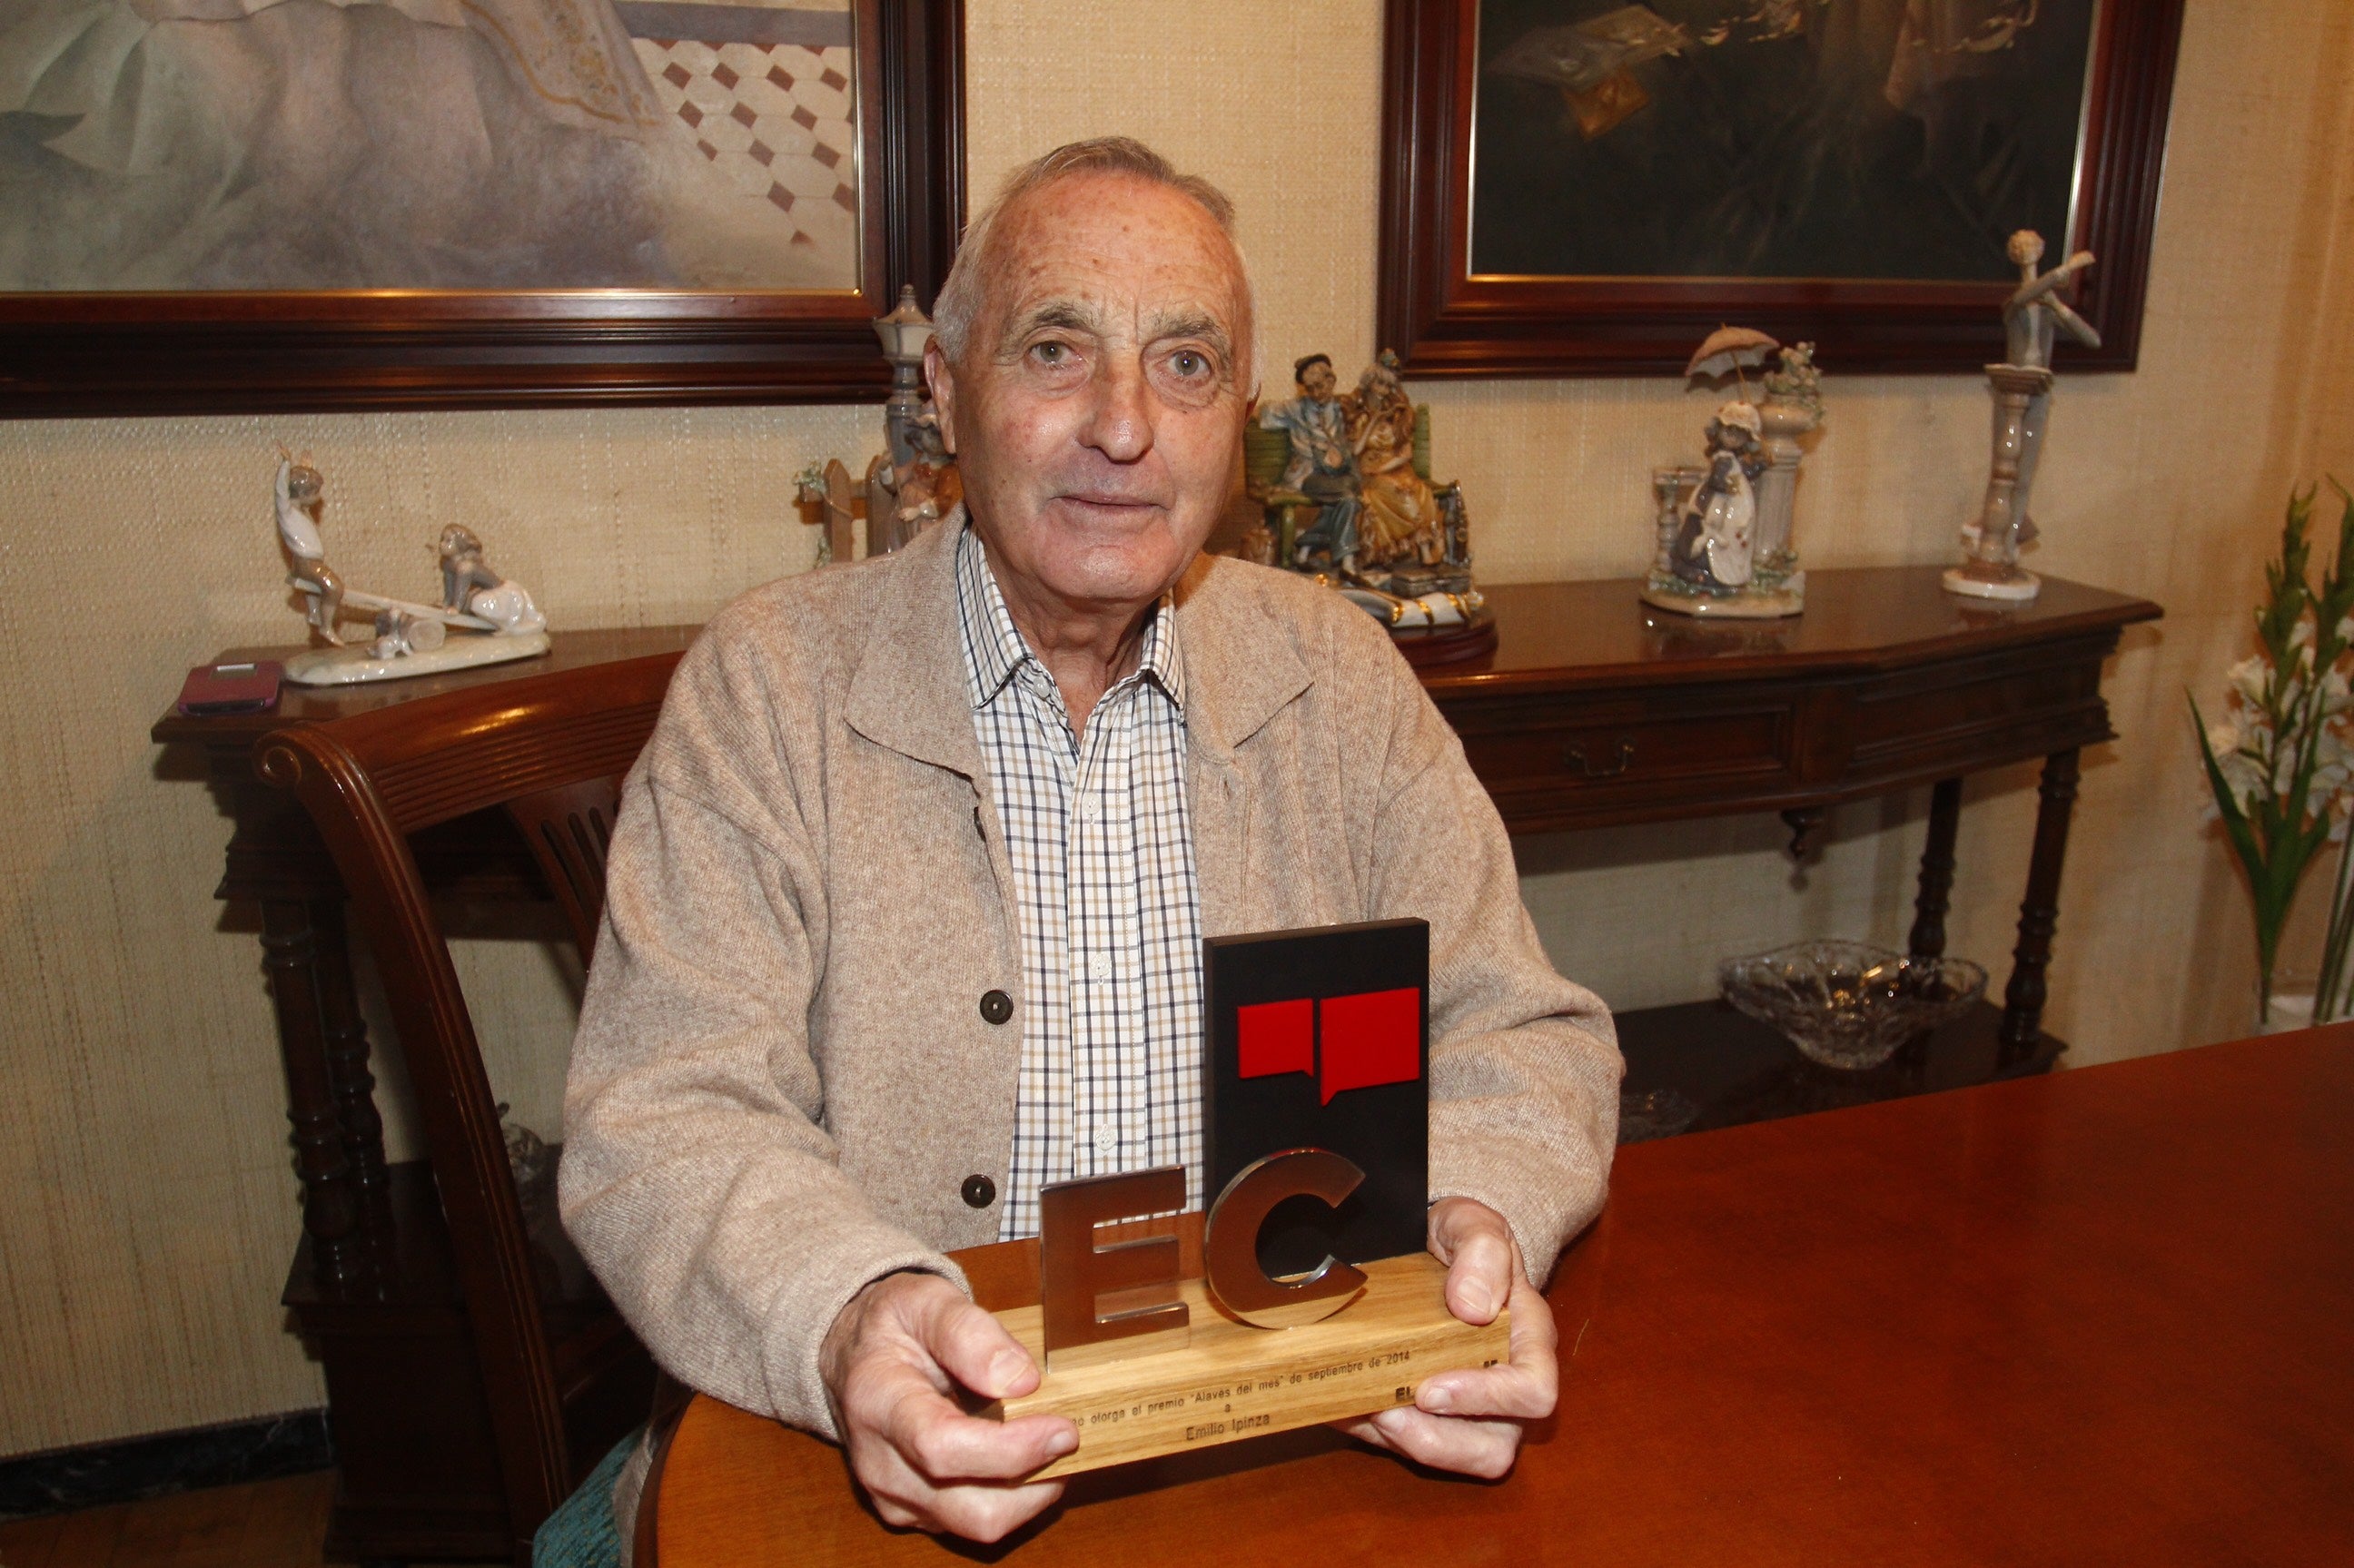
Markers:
<point>1109,911</point>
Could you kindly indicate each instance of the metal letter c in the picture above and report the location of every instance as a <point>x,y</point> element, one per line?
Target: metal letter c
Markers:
<point>1230,1244</point>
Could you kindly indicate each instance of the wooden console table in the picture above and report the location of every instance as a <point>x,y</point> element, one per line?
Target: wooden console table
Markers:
<point>1597,710</point>
<point>1593,710</point>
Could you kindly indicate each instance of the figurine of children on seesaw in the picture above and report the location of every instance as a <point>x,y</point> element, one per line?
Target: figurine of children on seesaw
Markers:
<point>407,638</point>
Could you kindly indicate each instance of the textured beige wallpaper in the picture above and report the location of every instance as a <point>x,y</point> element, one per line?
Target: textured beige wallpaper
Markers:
<point>150,1207</point>
<point>2163,484</point>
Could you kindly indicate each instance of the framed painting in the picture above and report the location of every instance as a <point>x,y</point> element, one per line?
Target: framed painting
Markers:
<point>219,206</point>
<point>1589,187</point>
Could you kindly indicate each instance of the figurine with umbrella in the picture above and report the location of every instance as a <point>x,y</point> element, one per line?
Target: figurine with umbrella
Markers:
<point>1723,543</point>
<point>1725,351</point>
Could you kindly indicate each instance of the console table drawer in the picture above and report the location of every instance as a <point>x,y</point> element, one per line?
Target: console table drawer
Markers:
<point>1702,754</point>
<point>1974,712</point>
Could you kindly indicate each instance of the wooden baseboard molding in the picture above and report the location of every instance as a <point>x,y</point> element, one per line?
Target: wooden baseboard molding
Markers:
<point>62,1479</point>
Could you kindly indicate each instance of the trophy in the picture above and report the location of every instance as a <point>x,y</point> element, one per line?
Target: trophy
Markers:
<point>1315,1300</point>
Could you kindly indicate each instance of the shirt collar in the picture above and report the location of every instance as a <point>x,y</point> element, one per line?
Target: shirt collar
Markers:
<point>995,650</point>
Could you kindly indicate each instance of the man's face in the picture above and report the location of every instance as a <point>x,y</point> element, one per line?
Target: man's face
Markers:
<point>1097,416</point>
<point>1318,381</point>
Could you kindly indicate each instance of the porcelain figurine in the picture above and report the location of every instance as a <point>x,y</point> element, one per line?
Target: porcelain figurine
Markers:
<point>1793,408</point>
<point>1705,561</point>
<point>1723,530</point>
<point>1400,526</point>
<point>1342,491</point>
<point>2021,390</point>
<point>1320,471</point>
<point>912,483</point>
<point>470,587</point>
<point>1716,544</point>
<point>406,638</point>
<point>825,492</point>
<point>1670,485</point>
<point>907,496</point>
<point>298,498</point>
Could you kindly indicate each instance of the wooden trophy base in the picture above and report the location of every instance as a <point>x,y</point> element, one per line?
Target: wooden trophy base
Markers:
<point>1231,1381</point>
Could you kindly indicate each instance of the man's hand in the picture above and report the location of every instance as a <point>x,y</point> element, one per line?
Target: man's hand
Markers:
<point>1471,1421</point>
<point>890,1362</point>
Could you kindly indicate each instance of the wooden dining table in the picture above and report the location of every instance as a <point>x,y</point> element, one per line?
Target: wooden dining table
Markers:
<point>2103,1317</point>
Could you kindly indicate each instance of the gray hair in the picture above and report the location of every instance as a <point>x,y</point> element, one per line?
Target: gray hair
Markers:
<point>958,305</point>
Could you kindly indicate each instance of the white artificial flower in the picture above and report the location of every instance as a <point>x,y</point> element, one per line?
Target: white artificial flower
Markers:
<point>2333,765</point>
<point>2284,772</point>
<point>2335,696</point>
<point>2247,677</point>
<point>2243,775</point>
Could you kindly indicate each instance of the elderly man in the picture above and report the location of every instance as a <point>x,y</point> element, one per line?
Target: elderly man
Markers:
<point>906,899</point>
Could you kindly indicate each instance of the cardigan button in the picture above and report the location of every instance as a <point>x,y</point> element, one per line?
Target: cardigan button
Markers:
<point>996,1007</point>
<point>980,1192</point>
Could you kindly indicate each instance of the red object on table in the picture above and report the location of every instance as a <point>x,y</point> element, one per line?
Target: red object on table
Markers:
<point>239,686</point>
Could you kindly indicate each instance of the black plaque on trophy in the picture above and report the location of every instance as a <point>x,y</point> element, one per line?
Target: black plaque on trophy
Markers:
<point>1321,1038</point>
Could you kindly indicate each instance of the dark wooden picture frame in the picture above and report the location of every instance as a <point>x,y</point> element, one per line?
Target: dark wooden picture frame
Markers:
<point>114,354</point>
<point>1445,322</point>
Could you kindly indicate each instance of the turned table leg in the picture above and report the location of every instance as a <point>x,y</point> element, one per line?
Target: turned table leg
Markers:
<point>2038,914</point>
<point>331,1210</point>
<point>1928,940</point>
<point>348,1079</point>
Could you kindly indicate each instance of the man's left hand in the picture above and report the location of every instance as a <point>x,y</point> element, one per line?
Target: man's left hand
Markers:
<point>1471,1421</point>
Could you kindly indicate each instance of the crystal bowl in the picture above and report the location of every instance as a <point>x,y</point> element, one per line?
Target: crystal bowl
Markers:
<point>1849,1004</point>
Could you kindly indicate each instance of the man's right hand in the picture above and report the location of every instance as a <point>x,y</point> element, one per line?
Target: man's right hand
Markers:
<point>891,1361</point>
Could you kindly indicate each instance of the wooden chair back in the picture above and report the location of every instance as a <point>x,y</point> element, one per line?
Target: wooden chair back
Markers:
<point>549,751</point>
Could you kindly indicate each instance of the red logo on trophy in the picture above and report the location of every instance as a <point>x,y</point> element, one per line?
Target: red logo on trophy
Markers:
<point>1347,1042</point>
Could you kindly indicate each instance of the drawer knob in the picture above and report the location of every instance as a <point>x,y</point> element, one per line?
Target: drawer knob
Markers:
<point>1608,769</point>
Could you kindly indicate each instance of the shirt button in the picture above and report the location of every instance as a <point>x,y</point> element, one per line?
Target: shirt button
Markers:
<point>1099,967</point>
<point>996,1007</point>
<point>1107,1140</point>
<point>980,1192</point>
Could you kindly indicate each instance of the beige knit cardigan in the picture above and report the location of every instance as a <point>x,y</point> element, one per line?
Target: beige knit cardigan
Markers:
<point>783,1077</point>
